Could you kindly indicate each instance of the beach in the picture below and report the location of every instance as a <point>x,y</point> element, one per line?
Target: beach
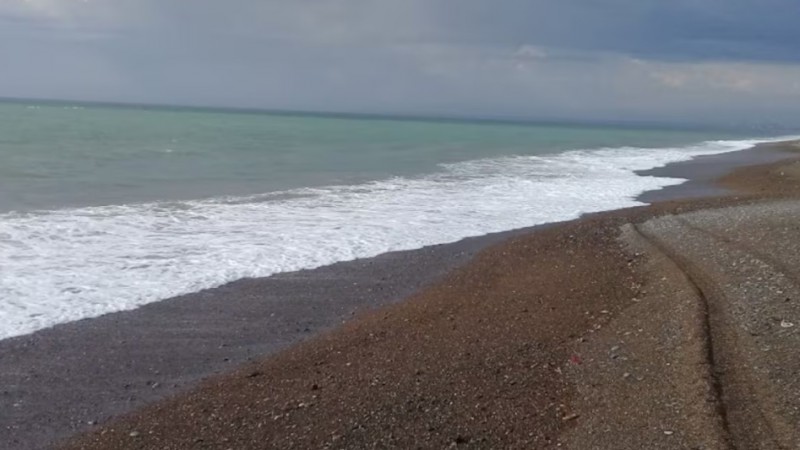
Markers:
<point>611,331</point>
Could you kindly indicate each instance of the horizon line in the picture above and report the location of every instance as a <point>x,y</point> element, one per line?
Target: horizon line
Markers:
<point>398,116</point>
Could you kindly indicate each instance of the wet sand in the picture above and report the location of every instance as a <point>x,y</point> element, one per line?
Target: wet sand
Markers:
<point>76,376</point>
<point>704,172</point>
<point>482,357</point>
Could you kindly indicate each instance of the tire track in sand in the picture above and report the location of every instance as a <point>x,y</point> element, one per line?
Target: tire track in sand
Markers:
<point>702,324</point>
<point>730,281</point>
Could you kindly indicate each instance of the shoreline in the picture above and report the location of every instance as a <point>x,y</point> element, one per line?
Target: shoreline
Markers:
<point>151,244</point>
<point>120,362</point>
<point>703,172</point>
<point>243,245</point>
<point>640,328</point>
<point>69,296</point>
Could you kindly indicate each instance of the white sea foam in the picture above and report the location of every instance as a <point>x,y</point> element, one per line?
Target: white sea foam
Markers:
<point>63,265</point>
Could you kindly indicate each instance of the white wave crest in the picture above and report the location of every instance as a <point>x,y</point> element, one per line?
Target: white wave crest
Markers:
<point>63,265</point>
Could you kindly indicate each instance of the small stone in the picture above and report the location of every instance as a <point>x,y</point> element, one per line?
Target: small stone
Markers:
<point>569,417</point>
<point>461,440</point>
<point>668,432</point>
<point>134,434</point>
<point>786,324</point>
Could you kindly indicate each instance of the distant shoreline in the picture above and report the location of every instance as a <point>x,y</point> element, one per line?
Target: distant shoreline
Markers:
<point>411,117</point>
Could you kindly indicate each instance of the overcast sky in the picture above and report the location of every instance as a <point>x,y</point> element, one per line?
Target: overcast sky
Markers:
<point>704,60</point>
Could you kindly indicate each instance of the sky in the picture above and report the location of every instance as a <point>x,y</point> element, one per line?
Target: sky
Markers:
<point>720,61</point>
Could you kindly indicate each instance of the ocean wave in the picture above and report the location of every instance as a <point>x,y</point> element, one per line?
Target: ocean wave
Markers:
<point>68,264</point>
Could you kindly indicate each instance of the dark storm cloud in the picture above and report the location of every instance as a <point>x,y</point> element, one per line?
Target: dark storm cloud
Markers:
<point>572,58</point>
<point>673,30</point>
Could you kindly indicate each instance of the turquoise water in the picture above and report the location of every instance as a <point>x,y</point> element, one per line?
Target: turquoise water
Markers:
<point>61,155</point>
<point>106,209</point>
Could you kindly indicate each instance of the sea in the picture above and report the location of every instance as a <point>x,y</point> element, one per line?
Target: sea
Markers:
<point>107,208</point>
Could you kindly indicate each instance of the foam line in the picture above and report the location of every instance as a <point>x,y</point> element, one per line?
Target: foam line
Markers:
<point>62,265</point>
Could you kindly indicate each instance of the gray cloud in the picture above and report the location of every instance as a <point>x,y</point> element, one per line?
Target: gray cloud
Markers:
<point>587,59</point>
